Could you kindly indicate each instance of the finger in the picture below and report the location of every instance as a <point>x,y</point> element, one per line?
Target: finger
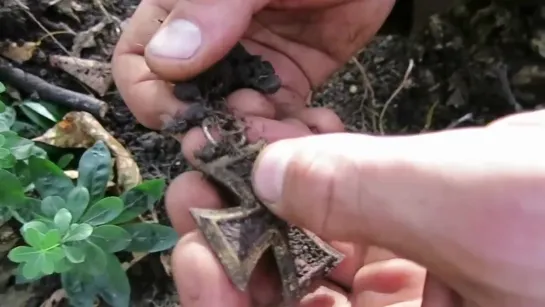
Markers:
<point>189,190</point>
<point>436,293</point>
<point>390,276</point>
<point>199,277</point>
<point>325,294</point>
<point>389,282</point>
<point>247,102</point>
<point>344,273</point>
<point>528,119</point>
<point>197,34</point>
<point>321,120</point>
<point>355,256</point>
<point>144,94</point>
<point>354,187</point>
<point>258,128</point>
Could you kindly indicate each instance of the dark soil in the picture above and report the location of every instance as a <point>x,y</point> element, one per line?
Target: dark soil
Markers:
<point>470,66</point>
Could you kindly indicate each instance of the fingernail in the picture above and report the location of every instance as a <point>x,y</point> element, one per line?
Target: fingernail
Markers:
<point>179,39</point>
<point>269,171</point>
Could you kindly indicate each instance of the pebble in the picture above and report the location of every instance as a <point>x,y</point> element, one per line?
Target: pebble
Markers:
<point>353,89</point>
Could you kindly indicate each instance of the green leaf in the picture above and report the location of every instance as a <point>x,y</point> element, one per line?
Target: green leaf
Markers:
<point>29,209</point>
<point>7,119</point>
<point>94,170</point>
<point>2,106</point>
<point>33,237</point>
<point>65,160</point>
<point>5,215</point>
<point>51,239</point>
<point>21,254</point>
<point>148,237</point>
<point>74,253</point>
<point>21,279</point>
<point>110,238</point>
<point>23,173</point>
<point>12,192</point>
<point>20,147</point>
<point>113,286</point>
<point>2,88</point>
<point>78,232</point>
<point>48,178</point>
<point>103,211</point>
<point>80,291</point>
<point>95,259</point>
<point>7,160</point>
<point>36,262</point>
<point>63,265</point>
<point>39,226</point>
<point>77,201</point>
<point>62,220</point>
<point>38,114</point>
<point>51,205</point>
<point>139,199</point>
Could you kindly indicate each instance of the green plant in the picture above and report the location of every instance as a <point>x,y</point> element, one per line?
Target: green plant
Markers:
<point>74,229</point>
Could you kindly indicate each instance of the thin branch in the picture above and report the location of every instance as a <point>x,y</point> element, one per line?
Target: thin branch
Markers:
<point>30,84</point>
<point>394,95</point>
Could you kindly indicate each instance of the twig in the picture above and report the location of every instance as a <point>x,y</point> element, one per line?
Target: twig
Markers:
<point>369,92</point>
<point>459,121</point>
<point>394,95</point>
<point>30,84</point>
<point>501,73</point>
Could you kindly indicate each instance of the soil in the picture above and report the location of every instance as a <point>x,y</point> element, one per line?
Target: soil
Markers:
<point>467,67</point>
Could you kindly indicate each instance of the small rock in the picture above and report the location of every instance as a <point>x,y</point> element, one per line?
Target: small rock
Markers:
<point>353,89</point>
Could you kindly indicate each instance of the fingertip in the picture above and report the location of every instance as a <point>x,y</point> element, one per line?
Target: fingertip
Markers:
<point>390,276</point>
<point>189,190</point>
<point>321,120</point>
<point>246,102</point>
<point>199,277</point>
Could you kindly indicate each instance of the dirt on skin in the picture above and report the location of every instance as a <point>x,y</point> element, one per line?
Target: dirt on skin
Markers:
<point>468,67</point>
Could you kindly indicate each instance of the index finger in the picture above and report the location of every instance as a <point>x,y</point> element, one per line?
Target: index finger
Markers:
<point>146,95</point>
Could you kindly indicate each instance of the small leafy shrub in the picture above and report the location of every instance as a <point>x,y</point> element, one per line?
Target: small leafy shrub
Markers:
<point>74,229</point>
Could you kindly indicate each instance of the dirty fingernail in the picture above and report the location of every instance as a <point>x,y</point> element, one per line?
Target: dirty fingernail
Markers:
<point>179,39</point>
<point>269,171</point>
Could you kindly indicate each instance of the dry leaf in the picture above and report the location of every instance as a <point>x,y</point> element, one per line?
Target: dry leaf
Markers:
<point>82,130</point>
<point>55,299</point>
<point>165,261</point>
<point>96,75</point>
<point>64,7</point>
<point>86,39</point>
<point>8,238</point>
<point>19,54</point>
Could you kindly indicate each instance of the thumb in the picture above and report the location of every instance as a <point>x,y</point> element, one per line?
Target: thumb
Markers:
<point>196,34</point>
<point>405,193</point>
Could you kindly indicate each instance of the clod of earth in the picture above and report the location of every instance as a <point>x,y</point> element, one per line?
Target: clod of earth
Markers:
<point>242,233</point>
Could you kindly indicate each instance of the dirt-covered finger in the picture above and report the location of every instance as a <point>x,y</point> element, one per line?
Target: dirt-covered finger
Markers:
<point>200,278</point>
<point>189,190</point>
<point>246,102</point>
<point>145,95</point>
<point>257,128</point>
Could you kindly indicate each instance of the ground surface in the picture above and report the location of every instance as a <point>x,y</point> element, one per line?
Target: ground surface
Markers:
<point>469,67</point>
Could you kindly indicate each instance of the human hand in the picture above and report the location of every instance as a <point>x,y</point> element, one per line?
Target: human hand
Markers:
<point>368,276</point>
<point>305,40</point>
<point>467,204</point>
